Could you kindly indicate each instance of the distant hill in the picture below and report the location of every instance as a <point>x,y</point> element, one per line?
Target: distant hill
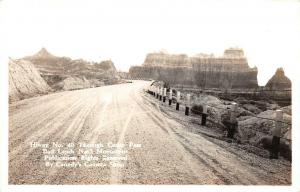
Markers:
<point>230,71</point>
<point>55,69</point>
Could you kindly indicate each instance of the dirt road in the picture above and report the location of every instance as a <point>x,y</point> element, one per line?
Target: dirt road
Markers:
<point>167,154</point>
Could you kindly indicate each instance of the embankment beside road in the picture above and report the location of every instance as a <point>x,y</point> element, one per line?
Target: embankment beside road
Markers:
<point>256,119</point>
<point>25,80</point>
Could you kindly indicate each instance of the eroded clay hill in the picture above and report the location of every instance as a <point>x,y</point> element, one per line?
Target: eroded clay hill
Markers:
<point>279,81</point>
<point>25,80</point>
<point>59,70</point>
<point>207,71</point>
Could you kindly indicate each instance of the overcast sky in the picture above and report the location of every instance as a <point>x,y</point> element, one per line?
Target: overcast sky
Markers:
<point>126,30</point>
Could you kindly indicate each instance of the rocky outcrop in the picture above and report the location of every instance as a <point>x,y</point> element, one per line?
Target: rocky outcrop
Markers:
<point>55,69</point>
<point>279,81</point>
<point>205,71</point>
<point>73,83</point>
<point>167,60</point>
<point>124,75</point>
<point>278,88</point>
<point>172,76</point>
<point>258,131</point>
<point>253,129</point>
<point>25,80</point>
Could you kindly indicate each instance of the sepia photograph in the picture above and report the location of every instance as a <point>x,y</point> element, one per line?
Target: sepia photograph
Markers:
<point>182,93</point>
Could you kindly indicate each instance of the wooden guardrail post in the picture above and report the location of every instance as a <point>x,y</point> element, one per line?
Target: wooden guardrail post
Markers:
<point>152,89</point>
<point>187,104</point>
<point>165,95</point>
<point>177,100</point>
<point>233,112</point>
<point>233,122</point>
<point>276,132</point>
<point>170,97</point>
<point>160,93</point>
<point>204,114</point>
<point>279,119</point>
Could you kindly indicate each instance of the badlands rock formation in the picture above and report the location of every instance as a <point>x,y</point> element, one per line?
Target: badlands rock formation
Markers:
<point>25,80</point>
<point>56,69</point>
<point>205,71</point>
<point>73,83</point>
<point>278,88</point>
<point>279,81</point>
<point>252,128</point>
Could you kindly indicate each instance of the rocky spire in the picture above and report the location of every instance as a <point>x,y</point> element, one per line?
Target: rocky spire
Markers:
<point>279,81</point>
<point>43,53</point>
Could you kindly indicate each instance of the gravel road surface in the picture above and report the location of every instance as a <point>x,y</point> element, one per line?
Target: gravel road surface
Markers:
<point>165,152</point>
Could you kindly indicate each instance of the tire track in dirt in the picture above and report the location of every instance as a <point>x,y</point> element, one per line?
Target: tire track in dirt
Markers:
<point>37,123</point>
<point>43,132</point>
<point>103,124</point>
<point>91,121</point>
<point>162,123</point>
<point>32,155</point>
<point>115,175</point>
<point>21,111</point>
<point>19,108</point>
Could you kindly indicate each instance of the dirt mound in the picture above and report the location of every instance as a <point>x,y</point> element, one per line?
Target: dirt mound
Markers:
<point>217,109</point>
<point>257,106</point>
<point>252,108</point>
<point>96,83</point>
<point>210,100</point>
<point>25,80</point>
<point>253,129</point>
<point>73,83</point>
<point>287,109</point>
